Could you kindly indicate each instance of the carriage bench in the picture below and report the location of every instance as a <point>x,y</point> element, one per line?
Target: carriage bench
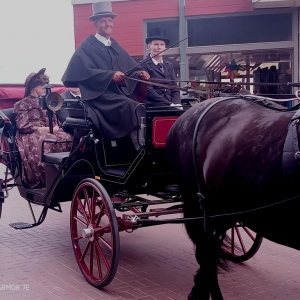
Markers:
<point>55,158</point>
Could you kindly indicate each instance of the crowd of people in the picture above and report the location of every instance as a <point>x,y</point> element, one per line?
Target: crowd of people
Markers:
<point>99,74</point>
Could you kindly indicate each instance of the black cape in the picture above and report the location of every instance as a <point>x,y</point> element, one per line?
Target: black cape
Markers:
<point>91,68</point>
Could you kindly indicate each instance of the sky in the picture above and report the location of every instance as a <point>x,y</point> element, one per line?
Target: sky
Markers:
<point>35,34</point>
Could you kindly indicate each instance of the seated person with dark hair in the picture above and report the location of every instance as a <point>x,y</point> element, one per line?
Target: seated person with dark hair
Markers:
<point>160,69</point>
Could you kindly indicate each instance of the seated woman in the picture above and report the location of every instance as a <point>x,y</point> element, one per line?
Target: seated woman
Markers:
<point>33,127</point>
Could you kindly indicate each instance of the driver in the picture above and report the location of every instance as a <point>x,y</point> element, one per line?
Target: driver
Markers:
<point>98,68</point>
<point>33,127</point>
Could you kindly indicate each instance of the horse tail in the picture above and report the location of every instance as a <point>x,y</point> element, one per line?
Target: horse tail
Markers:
<point>221,246</point>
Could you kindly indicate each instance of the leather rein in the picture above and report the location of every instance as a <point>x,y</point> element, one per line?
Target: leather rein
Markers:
<point>216,94</point>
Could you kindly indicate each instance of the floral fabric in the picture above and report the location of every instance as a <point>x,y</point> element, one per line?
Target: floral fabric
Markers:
<point>29,117</point>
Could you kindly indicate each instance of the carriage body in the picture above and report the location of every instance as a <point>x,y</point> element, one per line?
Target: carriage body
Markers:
<point>146,172</point>
<point>108,182</point>
<point>90,169</point>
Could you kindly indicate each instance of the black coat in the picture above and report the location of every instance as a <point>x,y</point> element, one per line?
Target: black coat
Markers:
<point>62,114</point>
<point>159,96</point>
<point>92,68</point>
<point>67,95</point>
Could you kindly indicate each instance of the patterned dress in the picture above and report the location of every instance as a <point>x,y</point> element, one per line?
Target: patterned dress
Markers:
<point>29,117</point>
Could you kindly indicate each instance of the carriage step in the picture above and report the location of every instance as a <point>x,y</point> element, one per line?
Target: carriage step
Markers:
<point>20,225</point>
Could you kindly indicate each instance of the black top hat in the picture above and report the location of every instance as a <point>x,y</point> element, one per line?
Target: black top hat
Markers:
<point>101,9</point>
<point>157,34</point>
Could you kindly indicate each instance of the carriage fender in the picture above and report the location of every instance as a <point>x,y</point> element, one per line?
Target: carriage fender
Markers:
<point>66,186</point>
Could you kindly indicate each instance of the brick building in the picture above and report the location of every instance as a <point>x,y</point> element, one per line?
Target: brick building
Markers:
<point>256,40</point>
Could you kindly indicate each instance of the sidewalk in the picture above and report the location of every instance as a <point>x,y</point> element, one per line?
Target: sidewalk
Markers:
<point>156,263</point>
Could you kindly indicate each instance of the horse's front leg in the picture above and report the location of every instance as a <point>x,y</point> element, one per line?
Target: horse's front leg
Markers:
<point>206,279</point>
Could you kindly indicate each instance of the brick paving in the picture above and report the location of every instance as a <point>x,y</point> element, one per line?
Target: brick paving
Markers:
<point>156,263</point>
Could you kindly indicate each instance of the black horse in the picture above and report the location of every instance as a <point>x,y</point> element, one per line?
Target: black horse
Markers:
<point>239,150</point>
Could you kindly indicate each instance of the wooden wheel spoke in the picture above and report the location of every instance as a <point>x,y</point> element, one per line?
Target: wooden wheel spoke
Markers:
<point>100,214</point>
<point>77,238</point>
<point>80,221</point>
<point>85,251</point>
<point>108,245</point>
<point>240,239</point>
<point>86,196</point>
<point>102,255</point>
<point>84,202</point>
<point>91,259</point>
<point>102,229</point>
<point>99,200</point>
<point>93,206</point>
<point>98,264</point>
<point>81,207</point>
<point>248,232</point>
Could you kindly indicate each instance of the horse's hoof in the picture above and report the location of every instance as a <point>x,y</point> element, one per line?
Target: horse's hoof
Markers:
<point>193,296</point>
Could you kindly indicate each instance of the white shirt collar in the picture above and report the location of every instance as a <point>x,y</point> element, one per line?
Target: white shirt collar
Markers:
<point>74,94</point>
<point>103,40</point>
<point>155,61</point>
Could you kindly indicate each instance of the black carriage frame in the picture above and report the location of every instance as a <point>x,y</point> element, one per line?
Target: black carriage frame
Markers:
<point>120,186</point>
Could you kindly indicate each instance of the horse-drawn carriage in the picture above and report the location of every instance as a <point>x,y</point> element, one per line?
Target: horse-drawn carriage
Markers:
<point>101,177</point>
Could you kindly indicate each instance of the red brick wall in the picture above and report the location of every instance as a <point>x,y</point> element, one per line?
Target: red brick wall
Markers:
<point>128,25</point>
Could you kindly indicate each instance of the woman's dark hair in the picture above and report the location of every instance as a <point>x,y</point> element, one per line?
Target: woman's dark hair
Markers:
<point>35,79</point>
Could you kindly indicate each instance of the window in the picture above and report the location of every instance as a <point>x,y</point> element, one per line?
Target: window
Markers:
<point>272,66</point>
<point>240,29</point>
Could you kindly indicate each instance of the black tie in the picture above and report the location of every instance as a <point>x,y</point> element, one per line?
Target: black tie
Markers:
<point>161,67</point>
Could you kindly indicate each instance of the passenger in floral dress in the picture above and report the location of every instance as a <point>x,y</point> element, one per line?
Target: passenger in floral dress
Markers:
<point>33,127</point>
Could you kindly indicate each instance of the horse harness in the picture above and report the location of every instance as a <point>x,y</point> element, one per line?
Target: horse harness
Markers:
<point>290,161</point>
<point>290,156</point>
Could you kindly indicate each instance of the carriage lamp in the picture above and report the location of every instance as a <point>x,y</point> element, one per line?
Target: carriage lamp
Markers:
<point>43,98</point>
<point>51,102</point>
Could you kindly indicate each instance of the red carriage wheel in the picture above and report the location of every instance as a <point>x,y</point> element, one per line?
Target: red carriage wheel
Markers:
<point>95,233</point>
<point>244,243</point>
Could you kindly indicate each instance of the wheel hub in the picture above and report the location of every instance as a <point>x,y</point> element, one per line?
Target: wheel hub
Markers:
<point>88,233</point>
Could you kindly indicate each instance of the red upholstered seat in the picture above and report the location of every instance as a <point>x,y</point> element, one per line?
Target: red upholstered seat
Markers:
<point>160,129</point>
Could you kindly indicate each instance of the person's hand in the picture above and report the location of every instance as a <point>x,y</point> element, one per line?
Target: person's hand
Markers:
<point>55,128</point>
<point>144,75</point>
<point>118,77</point>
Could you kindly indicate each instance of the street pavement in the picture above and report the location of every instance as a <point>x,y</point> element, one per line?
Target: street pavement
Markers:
<point>156,263</point>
